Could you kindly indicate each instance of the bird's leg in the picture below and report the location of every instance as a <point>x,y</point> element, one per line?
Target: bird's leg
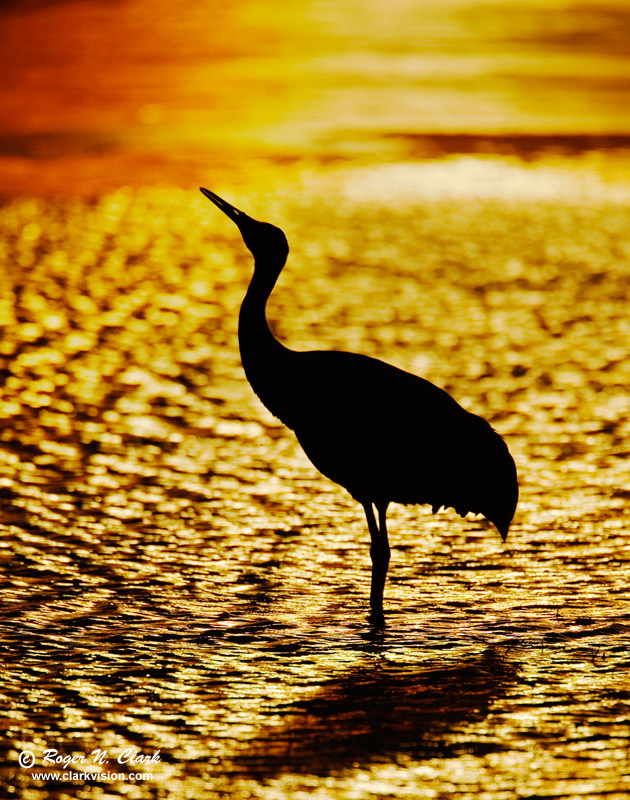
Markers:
<point>383,548</point>
<point>379,552</point>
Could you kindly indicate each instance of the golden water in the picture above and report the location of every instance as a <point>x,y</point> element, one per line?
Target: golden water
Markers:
<point>178,578</point>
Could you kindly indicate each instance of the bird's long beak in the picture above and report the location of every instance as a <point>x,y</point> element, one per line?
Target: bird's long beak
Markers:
<point>229,210</point>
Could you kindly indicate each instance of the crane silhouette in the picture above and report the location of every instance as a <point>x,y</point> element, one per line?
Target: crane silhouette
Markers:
<point>382,433</point>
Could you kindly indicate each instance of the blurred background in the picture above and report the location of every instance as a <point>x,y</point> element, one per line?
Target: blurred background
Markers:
<point>102,93</point>
<point>454,181</point>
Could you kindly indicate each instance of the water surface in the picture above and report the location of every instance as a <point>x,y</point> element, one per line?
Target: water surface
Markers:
<point>178,578</point>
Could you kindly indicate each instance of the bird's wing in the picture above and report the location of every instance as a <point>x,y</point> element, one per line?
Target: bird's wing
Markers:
<point>374,428</point>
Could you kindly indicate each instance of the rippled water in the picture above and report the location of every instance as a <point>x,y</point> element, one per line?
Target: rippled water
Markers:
<point>178,578</point>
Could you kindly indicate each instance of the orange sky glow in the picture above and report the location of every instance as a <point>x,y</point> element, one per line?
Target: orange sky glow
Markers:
<point>131,88</point>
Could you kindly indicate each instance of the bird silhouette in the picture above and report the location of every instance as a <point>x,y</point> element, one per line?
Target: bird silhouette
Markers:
<point>384,434</point>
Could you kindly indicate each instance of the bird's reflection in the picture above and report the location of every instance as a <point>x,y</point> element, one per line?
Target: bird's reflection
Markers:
<point>381,712</point>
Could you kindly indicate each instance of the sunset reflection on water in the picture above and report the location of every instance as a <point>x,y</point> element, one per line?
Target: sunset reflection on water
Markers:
<point>135,92</point>
<point>453,179</point>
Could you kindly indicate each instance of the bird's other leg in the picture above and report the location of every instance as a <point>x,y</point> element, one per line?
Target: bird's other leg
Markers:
<point>379,552</point>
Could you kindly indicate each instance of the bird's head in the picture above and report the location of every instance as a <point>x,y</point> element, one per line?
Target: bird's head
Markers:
<point>264,241</point>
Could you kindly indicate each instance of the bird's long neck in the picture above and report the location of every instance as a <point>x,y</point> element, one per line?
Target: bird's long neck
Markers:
<point>267,363</point>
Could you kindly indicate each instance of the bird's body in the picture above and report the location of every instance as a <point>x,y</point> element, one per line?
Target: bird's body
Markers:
<point>331,399</point>
<point>384,434</point>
